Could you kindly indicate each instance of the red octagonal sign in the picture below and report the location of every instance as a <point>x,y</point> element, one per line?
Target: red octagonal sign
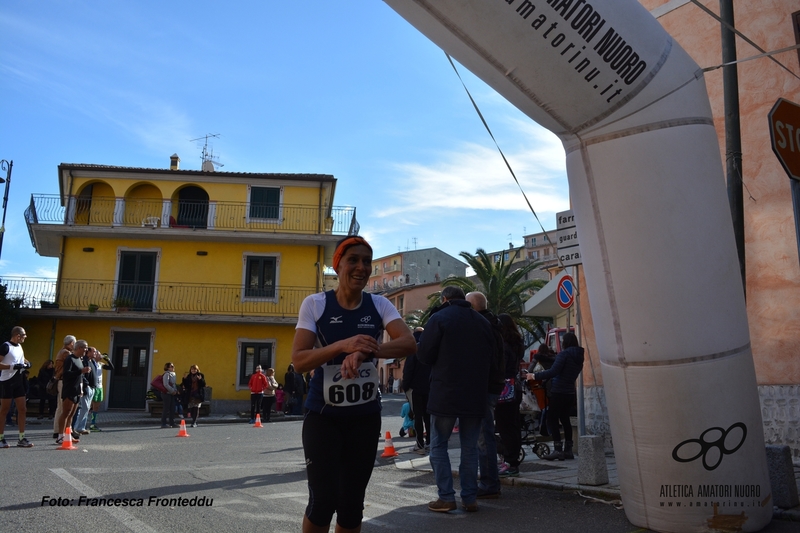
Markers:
<point>784,130</point>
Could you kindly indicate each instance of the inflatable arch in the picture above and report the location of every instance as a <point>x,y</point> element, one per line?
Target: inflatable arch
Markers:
<point>662,274</point>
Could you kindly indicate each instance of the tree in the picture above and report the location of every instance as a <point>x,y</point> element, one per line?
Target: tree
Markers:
<point>506,291</point>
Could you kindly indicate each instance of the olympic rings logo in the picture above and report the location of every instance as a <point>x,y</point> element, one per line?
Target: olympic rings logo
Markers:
<point>714,450</point>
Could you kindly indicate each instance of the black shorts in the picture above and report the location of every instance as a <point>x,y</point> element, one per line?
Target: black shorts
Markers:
<point>13,387</point>
<point>340,453</point>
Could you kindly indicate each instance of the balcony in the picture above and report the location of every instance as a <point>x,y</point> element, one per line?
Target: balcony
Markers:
<point>159,301</point>
<point>391,268</point>
<point>105,217</point>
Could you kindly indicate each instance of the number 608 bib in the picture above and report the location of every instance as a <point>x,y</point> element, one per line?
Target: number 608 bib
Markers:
<point>340,392</point>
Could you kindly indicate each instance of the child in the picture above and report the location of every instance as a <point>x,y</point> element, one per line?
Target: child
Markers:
<point>279,399</point>
<point>408,421</point>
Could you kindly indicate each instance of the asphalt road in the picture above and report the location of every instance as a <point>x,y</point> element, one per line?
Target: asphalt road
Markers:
<point>249,480</point>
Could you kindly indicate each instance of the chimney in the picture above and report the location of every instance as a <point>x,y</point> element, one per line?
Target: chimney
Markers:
<point>174,162</point>
<point>510,246</point>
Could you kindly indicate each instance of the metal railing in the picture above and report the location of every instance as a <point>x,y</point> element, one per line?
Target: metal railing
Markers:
<point>94,295</point>
<point>226,216</point>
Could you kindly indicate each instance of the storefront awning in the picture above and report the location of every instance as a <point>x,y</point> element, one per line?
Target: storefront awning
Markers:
<point>544,304</point>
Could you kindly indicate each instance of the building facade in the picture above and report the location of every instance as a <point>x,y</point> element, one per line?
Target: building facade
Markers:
<point>413,267</point>
<point>182,266</point>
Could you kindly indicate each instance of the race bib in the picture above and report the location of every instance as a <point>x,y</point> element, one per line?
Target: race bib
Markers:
<point>340,392</point>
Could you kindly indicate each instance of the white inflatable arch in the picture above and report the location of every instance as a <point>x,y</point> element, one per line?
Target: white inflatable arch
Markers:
<point>662,274</point>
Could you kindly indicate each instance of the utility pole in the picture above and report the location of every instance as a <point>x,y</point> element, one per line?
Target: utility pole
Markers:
<point>733,140</point>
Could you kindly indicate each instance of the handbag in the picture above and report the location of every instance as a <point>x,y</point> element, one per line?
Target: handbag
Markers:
<point>509,391</point>
<point>52,387</point>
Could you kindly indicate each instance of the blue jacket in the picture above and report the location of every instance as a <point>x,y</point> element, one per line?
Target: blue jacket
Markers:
<point>564,372</point>
<point>457,344</point>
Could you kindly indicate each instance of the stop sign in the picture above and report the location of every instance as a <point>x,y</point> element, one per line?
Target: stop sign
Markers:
<point>784,130</point>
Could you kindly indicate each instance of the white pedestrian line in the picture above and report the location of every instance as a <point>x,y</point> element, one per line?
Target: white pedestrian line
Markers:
<point>278,467</point>
<point>123,517</point>
<point>283,495</point>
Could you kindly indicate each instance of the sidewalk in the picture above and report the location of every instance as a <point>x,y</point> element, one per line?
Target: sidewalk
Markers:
<point>533,472</point>
<point>551,475</point>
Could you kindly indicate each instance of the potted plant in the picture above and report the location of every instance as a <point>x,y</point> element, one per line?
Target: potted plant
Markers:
<point>93,308</point>
<point>123,303</point>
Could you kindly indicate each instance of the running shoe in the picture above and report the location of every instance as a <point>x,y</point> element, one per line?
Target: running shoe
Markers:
<point>3,443</point>
<point>94,428</point>
<point>59,440</point>
<point>24,443</point>
<point>83,432</point>
<point>503,467</point>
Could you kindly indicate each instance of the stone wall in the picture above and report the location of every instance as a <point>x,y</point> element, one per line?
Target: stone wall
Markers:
<point>780,410</point>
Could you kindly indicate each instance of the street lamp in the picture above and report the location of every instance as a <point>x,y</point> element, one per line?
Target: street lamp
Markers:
<point>7,166</point>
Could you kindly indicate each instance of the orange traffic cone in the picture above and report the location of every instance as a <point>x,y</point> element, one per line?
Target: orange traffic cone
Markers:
<point>388,448</point>
<point>66,443</point>
<point>182,431</point>
<point>258,422</point>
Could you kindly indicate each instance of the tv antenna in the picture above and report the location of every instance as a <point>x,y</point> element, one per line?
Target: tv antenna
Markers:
<point>210,161</point>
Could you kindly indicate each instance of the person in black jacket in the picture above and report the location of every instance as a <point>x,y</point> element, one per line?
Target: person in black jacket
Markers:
<point>506,414</point>
<point>288,389</point>
<point>46,373</point>
<point>457,344</point>
<point>489,484</point>
<point>563,373</point>
<point>416,383</point>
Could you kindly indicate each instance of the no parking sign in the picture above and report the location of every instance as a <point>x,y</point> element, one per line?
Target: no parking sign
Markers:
<point>565,293</point>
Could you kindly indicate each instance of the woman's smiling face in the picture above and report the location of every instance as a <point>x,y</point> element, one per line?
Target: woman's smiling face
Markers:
<point>355,267</point>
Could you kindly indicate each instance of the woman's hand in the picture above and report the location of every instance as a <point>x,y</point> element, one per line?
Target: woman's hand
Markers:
<point>359,343</point>
<point>351,364</point>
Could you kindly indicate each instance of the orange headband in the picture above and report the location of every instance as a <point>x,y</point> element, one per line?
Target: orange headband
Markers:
<point>344,245</point>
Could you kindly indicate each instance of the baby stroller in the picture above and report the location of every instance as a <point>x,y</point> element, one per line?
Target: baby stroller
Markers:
<point>534,400</point>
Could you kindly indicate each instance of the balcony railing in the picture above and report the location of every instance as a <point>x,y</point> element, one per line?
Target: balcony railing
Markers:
<point>391,268</point>
<point>161,297</point>
<point>224,216</point>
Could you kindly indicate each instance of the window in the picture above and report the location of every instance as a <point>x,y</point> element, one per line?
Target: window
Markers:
<point>375,285</point>
<point>505,256</point>
<point>376,269</point>
<point>260,276</point>
<point>265,202</point>
<point>438,263</point>
<point>251,355</point>
<point>533,241</point>
<point>400,304</point>
<point>535,254</point>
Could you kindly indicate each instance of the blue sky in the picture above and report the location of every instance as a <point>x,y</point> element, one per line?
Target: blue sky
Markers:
<point>347,88</point>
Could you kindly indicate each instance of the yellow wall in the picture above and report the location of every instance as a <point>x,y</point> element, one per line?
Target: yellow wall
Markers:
<point>213,347</point>
<point>179,261</point>
<point>217,192</point>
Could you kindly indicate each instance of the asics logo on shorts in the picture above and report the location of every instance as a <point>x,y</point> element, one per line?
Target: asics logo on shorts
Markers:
<point>712,451</point>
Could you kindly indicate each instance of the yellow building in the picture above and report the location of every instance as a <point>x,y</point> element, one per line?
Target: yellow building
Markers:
<point>186,266</point>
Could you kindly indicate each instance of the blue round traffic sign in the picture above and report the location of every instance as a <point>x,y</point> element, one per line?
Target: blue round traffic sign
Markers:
<point>565,293</point>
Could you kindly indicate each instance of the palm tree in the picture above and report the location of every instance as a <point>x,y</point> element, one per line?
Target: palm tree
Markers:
<point>419,317</point>
<point>506,291</point>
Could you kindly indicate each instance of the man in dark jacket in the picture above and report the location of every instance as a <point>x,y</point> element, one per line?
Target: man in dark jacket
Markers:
<point>416,383</point>
<point>489,485</point>
<point>457,344</point>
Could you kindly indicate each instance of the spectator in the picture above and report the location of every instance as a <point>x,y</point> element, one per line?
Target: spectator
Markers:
<point>269,394</point>
<point>563,373</point>
<point>288,388</point>
<point>258,383</point>
<point>457,344</point>
<point>194,391</point>
<point>507,417</point>
<point>101,362</point>
<point>46,373</point>
<point>279,398</point>
<point>416,382</point>
<point>168,398</point>
<point>408,422</point>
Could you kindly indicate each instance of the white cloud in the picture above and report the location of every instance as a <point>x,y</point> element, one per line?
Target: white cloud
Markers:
<point>473,176</point>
